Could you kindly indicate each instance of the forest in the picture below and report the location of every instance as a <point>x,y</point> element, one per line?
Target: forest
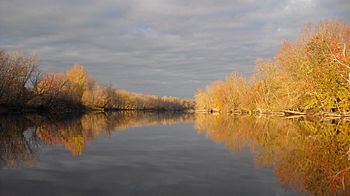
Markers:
<point>24,87</point>
<point>309,75</point>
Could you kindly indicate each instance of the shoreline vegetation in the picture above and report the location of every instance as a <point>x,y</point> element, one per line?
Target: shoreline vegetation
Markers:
<point>309,76</point>
<point>24,89</point>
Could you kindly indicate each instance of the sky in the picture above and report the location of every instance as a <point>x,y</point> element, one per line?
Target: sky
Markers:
<point>160,47</point>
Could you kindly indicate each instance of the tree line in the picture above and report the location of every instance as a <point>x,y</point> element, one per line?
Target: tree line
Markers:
<point>24,87</point>
<point>310,75</point>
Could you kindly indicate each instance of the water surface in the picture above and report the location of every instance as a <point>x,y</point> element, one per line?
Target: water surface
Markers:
<point>171,154</point>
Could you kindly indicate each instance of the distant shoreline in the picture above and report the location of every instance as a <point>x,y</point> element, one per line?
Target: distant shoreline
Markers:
<point>285,114</point>
<point>18,110</point>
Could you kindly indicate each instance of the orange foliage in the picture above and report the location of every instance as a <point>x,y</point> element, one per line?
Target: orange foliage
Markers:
<point>310,74</point>
<point>22,87</point>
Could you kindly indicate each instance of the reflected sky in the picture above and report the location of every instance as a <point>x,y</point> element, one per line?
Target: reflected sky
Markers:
<point>150,153</point>
<point>161,47</point>
<point>138,162</point>
<point>171,159</point>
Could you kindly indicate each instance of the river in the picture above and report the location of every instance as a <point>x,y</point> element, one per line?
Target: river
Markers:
<point>135,153</point>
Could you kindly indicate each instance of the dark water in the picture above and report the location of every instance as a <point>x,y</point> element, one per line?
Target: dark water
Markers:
<point>171,154</point>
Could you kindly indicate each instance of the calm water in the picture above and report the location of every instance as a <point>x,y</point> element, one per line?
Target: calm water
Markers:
<point>171,154</point>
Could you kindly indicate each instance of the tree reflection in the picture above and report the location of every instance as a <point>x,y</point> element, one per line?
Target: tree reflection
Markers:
<point>21,137</point>
<point>311,156</point>
<point>17,142</point>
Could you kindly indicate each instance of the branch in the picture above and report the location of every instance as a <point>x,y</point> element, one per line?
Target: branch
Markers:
<point>347,79</point>
<point>336,60</point>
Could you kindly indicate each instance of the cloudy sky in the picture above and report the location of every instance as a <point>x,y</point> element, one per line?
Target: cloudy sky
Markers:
<point>162,47</point>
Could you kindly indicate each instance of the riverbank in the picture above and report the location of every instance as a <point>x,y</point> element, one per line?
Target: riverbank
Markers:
<point>309,76</point>
<point>285,114</point>
<point>24,88</point>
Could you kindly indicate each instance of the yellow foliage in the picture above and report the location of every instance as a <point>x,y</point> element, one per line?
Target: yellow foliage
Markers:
<point>309,74</point>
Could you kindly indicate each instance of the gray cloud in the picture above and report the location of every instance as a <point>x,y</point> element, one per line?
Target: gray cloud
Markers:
<point>163,47</point>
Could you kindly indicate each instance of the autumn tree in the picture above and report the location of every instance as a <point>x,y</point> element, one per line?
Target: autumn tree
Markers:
<point>317,63</point>
<point>309,75</point>
<point>51,91</point>
<point>76,79</point>
<point>23,86</point>
<point>17,71</point>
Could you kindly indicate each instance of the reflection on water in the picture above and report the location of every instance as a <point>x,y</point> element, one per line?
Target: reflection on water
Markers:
<point>21,136</point>
<point>306,156</point>
<point>17,141</point>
